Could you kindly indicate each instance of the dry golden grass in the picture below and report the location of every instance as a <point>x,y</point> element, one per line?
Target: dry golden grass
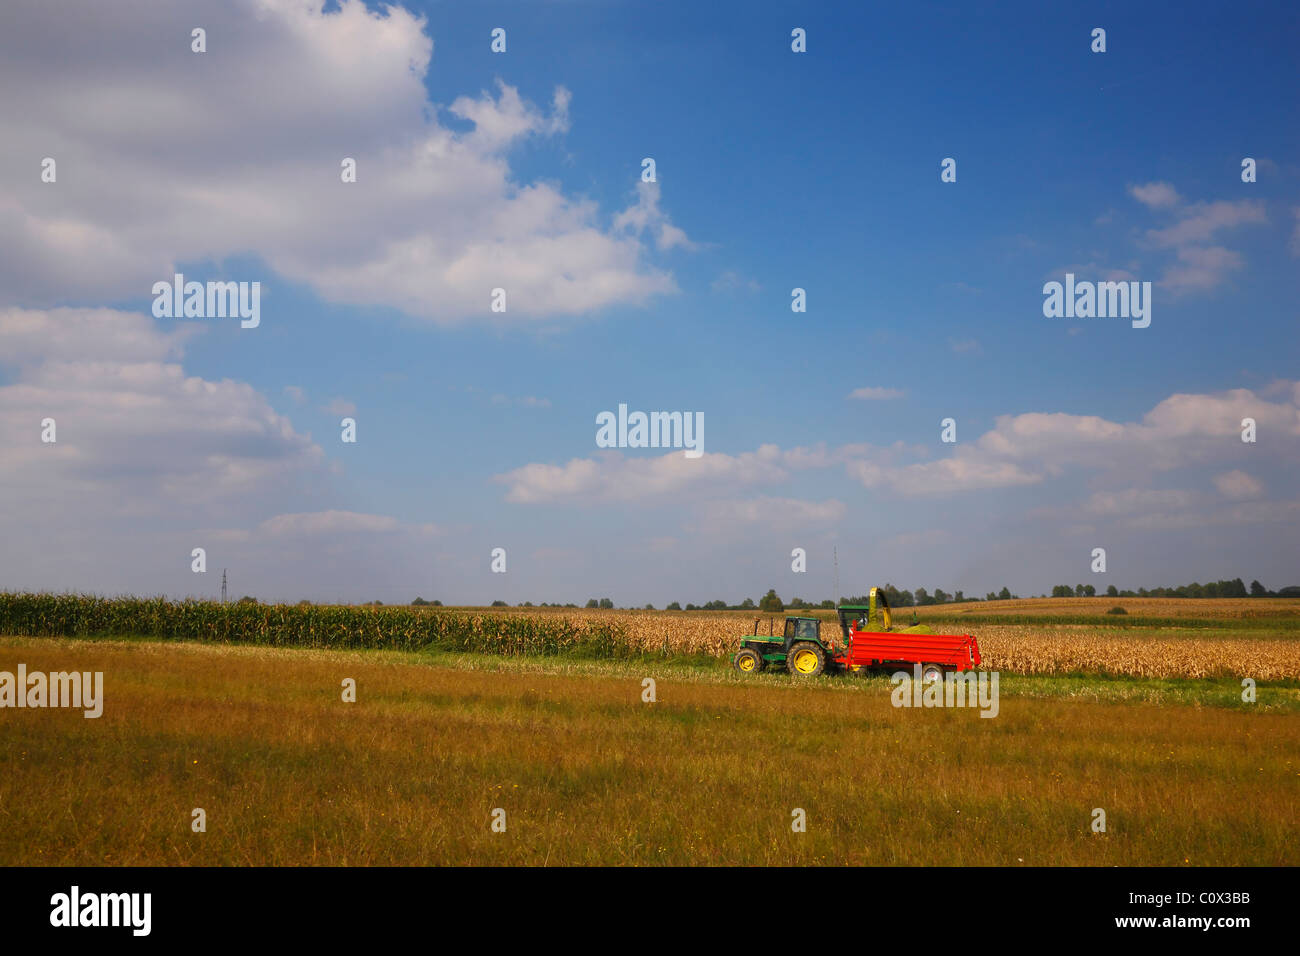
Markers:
<point>589,774</point>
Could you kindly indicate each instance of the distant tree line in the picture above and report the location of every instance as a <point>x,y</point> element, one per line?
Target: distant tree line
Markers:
<point>771,602</point>
<point>1235,588</point>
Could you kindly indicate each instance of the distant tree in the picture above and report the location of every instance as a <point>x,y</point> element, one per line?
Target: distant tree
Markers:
<point>246,599</point>
<point>1061,590</point>
<point>747,605</point>
<point>527,604</point>
<point>716,606</point>
<point>1005,595</point>
<point>649,607</point>
<point>923,597</point>
<point>593,603</point>
<point>1290,591</point>
<point>500,604</point>
<point>435,603</point>
<point>691,607</point>
<point>958,598</point>
<point>828,603</point>
<point>673,607</point>
<point>1112,591</point>
<point>1258,590</point>
<point>770,602</point>
<point>1089,591</point>
<point>419,602</point>
<point>991,596</point>
<point>304,603</point>
<point>606,603</point>
<point>940,596</point>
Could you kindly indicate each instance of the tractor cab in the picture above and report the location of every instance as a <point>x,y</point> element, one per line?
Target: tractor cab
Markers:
<point>801,629</point>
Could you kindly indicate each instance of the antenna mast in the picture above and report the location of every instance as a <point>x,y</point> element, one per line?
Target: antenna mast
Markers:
<point>836,552</point>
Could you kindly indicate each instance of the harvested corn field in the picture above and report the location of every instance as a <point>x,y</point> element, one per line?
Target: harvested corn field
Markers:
<point>1154,639</point>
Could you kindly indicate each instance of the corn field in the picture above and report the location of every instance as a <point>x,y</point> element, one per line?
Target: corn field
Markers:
<point>1045,647</point>
<point>1129,652</point>
<point>325,626</point>
<point>1026,648</point>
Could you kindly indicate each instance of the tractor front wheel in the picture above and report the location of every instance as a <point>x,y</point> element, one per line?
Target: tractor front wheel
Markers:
<point>748,661</point>
<point>806,659</point>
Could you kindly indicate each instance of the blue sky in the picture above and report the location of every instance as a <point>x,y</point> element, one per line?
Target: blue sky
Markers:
<point>777,170</point>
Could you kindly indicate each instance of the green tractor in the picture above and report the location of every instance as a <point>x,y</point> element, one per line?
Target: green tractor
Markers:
<point>800,649</point>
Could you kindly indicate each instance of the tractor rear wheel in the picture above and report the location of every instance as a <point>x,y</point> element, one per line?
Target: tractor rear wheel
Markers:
<point>931,672</point>
<point>748,661</point>
<point>806,659</point>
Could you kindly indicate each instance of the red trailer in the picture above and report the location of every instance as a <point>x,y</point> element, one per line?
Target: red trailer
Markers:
<point>870,642</point>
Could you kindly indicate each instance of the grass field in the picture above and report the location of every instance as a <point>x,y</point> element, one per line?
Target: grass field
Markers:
<point>588,773</point>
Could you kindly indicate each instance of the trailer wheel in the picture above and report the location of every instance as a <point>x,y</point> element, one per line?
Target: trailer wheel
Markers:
<point>806,659</point>
<point>748,661</point>
<point>931,672</point>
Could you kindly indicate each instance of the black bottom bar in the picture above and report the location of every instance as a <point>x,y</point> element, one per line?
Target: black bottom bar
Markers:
<point>330,906</point>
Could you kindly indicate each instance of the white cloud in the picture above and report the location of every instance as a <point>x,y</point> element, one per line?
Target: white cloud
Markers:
<point>1237,484</point>
<point>771,513</point>
<point>104,335</point>
<point>616,478</point>
<point>1156,195</point>
<point>1135,501</point>
<point>732,281</point>
<point>875,393</point>
<point>329,523</point>
<point>339,406</point>
<point>151,462</point>
<point>961,472</point>
<point>1199,267</point>
<point>154,146</point>
<point>1019,450</point>
<point>128,423</point>
<point>1200,221</point>
<point>645,215</point>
